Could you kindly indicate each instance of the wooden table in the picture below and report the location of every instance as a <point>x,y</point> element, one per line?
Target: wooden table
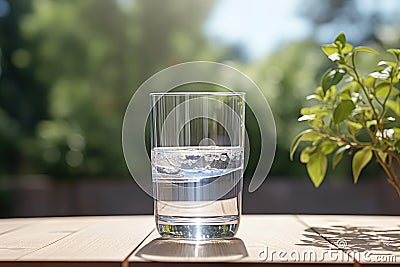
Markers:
<point>266,239</point>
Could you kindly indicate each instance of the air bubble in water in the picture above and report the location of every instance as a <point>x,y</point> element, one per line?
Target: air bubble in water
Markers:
<point>208,157</point>
<point>224,157</point>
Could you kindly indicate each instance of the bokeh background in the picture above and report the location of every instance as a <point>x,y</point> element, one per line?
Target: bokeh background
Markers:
<point>69,68</point>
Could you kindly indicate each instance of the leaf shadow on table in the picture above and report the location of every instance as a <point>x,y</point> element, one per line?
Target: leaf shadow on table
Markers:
<point>161,249</point>
<point>353,238</point>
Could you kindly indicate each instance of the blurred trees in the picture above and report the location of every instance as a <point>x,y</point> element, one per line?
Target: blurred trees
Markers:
<point>364,21</point>
<point>285,78</point>
<point>69,69</point>
<point>295,70</point>
<point>85,60</point>
<point>22,98</point>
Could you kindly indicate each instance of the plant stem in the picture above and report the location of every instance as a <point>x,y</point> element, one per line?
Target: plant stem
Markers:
<point>392,178</point>
<point>366,95</point>
<point>395,156</point>
<point>390,90</point>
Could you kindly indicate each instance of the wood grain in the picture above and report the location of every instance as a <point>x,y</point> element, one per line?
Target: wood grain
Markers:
<point>285,234</point>
<point>256,233</point>
<point>131,240</point>
<point>30,235</point>
<point>71,241</point>
<point>369,239</point>
<point>110,240</point>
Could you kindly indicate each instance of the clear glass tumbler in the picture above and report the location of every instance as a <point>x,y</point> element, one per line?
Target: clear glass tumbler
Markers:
<point>197,156</point>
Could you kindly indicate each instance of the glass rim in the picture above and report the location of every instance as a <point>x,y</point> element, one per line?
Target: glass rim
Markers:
<point>198,93</point>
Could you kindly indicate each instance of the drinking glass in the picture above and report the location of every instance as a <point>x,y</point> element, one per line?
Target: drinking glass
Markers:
<point>197,156</point>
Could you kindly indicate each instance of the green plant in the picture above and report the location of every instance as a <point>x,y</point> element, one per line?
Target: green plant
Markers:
<point>354,114</point>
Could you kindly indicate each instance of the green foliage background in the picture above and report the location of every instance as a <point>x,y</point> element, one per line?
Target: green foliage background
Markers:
<point>69,68</point>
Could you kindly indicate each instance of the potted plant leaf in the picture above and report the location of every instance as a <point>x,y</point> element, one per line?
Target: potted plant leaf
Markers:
<point>353,113</point>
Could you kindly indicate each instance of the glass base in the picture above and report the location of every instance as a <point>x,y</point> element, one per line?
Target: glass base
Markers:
<point>197,228</point>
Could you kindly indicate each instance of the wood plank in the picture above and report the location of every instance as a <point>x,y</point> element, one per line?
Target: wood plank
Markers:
<point>109,241</point>
<point>272,234</point>
<point>9,226</point>
<point>287,234</point>
<point>32,234</point>
<point>370,239</point>
<point>170,250</point>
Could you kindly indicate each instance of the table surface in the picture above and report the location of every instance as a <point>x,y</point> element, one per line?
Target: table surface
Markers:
<point>268,239</point>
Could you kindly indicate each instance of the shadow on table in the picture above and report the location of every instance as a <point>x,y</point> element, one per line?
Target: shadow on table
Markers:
<point>161,249</point>
<point>353,238</point>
